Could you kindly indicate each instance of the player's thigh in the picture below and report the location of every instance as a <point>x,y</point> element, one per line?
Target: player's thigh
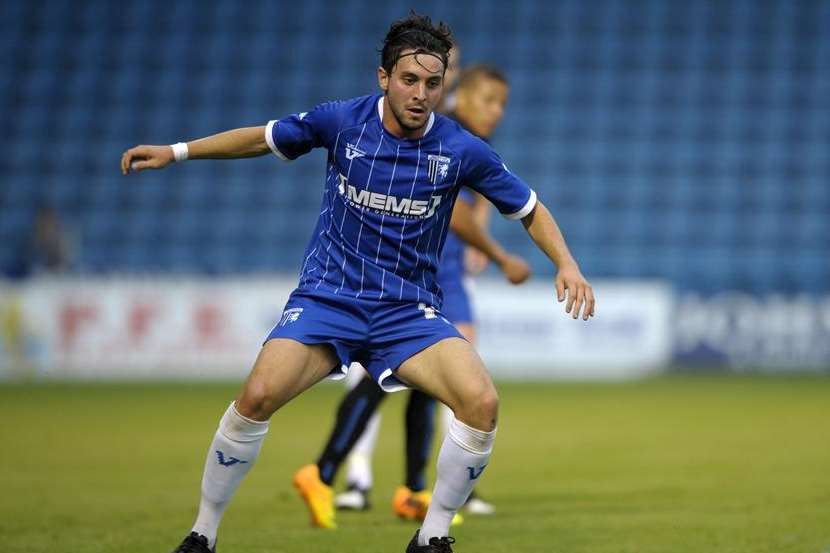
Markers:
<point>283,369</point>
<point>452,372</point>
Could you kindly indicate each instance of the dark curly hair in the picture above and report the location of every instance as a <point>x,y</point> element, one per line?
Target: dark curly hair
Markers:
<point>415,32</point>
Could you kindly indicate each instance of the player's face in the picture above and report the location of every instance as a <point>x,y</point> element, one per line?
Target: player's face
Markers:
<point>481,105</point>
<point>413,90</point>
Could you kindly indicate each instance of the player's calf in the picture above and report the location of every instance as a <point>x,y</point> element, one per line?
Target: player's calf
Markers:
<point>464,455</point>
<point>231,455</point>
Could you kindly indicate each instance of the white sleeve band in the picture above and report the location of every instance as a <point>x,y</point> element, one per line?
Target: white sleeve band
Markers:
<point>269,138</point>
<point>179,151</point>
<point>524,211</point>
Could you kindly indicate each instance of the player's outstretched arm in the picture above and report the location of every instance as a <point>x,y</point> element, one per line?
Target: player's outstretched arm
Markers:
<point>236,143</point>
<point>465,224</point>
<point>544,231</point>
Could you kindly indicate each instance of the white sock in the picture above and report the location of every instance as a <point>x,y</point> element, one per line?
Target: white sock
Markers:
<point>447,416</point>
<point>463,456</point>
<point>360,459</point>
<point>232,453</point>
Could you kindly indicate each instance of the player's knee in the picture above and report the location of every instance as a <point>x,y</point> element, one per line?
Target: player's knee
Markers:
<point>489,408</point>
<point>257,401</point>
<point>481,411</point>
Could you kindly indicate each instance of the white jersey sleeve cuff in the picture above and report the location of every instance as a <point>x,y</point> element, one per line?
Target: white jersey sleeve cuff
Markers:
<point>269,138</point>
<point>524,211</point>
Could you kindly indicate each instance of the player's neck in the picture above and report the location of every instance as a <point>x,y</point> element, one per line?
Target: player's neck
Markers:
<point>394,127</point>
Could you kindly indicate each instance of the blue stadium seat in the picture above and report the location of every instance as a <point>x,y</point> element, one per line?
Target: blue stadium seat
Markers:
<point>676,140</point>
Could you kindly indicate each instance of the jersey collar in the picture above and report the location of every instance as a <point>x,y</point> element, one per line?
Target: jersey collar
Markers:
<point>429,123</point>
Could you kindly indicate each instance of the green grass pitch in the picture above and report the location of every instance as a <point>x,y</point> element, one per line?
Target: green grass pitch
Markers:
<point>675,464</point>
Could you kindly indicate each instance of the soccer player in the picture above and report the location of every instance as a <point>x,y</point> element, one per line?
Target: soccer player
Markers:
<point>367,287</point>
<point>480,101</point>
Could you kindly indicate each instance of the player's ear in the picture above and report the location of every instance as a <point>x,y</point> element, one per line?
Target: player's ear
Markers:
<point>383,79</point>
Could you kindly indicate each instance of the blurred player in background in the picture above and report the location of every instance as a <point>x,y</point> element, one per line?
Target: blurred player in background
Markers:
<point>368,288</point>
<point>479,106</point>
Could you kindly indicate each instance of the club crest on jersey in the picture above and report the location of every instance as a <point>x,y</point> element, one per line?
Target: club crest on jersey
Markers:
<point>353,151</point>
<point>438,167</point>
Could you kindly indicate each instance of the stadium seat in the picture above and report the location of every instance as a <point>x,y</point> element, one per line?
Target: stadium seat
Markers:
<point>665,144</point>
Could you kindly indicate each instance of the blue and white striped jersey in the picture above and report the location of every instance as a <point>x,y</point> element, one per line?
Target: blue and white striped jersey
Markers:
<point>387,202</point>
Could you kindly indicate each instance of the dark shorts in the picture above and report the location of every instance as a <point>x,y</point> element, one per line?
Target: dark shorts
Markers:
<point>379,335</point>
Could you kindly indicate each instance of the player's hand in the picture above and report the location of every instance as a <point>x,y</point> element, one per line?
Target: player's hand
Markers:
<point>474,261</point>
<point>580,294</point>
<point>146,157</point>
<point>515,269</point>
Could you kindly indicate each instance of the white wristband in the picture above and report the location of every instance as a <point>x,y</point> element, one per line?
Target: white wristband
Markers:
<point>179,151</point>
